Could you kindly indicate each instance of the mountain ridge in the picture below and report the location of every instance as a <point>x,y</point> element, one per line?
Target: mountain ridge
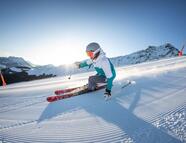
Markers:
<point>18,66</point>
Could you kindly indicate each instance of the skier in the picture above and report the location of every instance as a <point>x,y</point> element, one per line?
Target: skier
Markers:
<point>103,66</point>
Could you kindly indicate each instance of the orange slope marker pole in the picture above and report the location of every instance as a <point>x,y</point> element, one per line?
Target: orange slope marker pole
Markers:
<point>3,80</point>
<point>180,53</point>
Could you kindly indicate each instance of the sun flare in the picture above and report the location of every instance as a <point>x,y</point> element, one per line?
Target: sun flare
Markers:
<point>60,52</point>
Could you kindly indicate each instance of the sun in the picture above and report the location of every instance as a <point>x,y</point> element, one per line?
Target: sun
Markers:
<point>59,53</point>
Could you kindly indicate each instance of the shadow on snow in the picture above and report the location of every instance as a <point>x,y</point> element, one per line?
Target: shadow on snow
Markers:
<point>113,112</point>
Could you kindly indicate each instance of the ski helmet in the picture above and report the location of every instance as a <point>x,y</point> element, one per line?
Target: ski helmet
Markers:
<point>93,50</point>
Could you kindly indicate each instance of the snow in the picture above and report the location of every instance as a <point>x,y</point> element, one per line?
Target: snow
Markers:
<point>16,69</point>
<point>14,62</point>
<point>150,111</point>
<point>2,66</point>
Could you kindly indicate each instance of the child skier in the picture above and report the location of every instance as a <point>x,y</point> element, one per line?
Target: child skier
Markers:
<point>104,68</point>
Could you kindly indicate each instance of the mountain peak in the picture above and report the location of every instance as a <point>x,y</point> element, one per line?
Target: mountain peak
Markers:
<point>12,61</point>
<point>151,53</point>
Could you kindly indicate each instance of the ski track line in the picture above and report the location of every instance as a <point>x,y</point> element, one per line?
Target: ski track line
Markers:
<point>56,135</point>
<point>81,137</point>
<point>18,124</point>
<point>165,126</point>
<point>173,93</point>
<point>167,95</point>
<point>22,104</point>
<point>159,118</point>
<point>23,100</point>
<point>80,133</point>
<point>53,139</point>
<point>28,122</point>
<point>152,119</point>
<point>99,135</point>
<point>174,123</point>
<point>78,138</point>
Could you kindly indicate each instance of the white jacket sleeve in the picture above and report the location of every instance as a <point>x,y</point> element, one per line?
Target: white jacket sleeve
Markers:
<point>106,68</point>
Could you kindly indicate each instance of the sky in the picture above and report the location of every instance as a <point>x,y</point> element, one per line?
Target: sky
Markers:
<point>57,31</point>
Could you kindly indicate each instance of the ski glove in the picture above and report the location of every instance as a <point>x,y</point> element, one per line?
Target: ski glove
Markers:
<point>77,64</point>
<point>107,92</point>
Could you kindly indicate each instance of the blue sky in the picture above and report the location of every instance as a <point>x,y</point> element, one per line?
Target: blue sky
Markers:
<point>57,31</point>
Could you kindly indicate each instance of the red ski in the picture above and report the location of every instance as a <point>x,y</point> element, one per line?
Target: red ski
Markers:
<point>62,91</point>
<point>72,92</point>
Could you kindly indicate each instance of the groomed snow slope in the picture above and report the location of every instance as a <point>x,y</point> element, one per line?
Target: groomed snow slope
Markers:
<point>151,111</point>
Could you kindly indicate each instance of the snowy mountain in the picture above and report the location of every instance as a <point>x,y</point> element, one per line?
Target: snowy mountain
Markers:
<point>14,62</point>
<point>151,111</point>
<point>16,67</point>
<point>2,66</point>
<point>151,53</point>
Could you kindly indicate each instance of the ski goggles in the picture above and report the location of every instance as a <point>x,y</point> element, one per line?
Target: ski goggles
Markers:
<point>90,54</point>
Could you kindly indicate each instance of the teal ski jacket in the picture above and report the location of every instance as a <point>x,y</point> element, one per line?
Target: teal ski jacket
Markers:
<point>103,67</point>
